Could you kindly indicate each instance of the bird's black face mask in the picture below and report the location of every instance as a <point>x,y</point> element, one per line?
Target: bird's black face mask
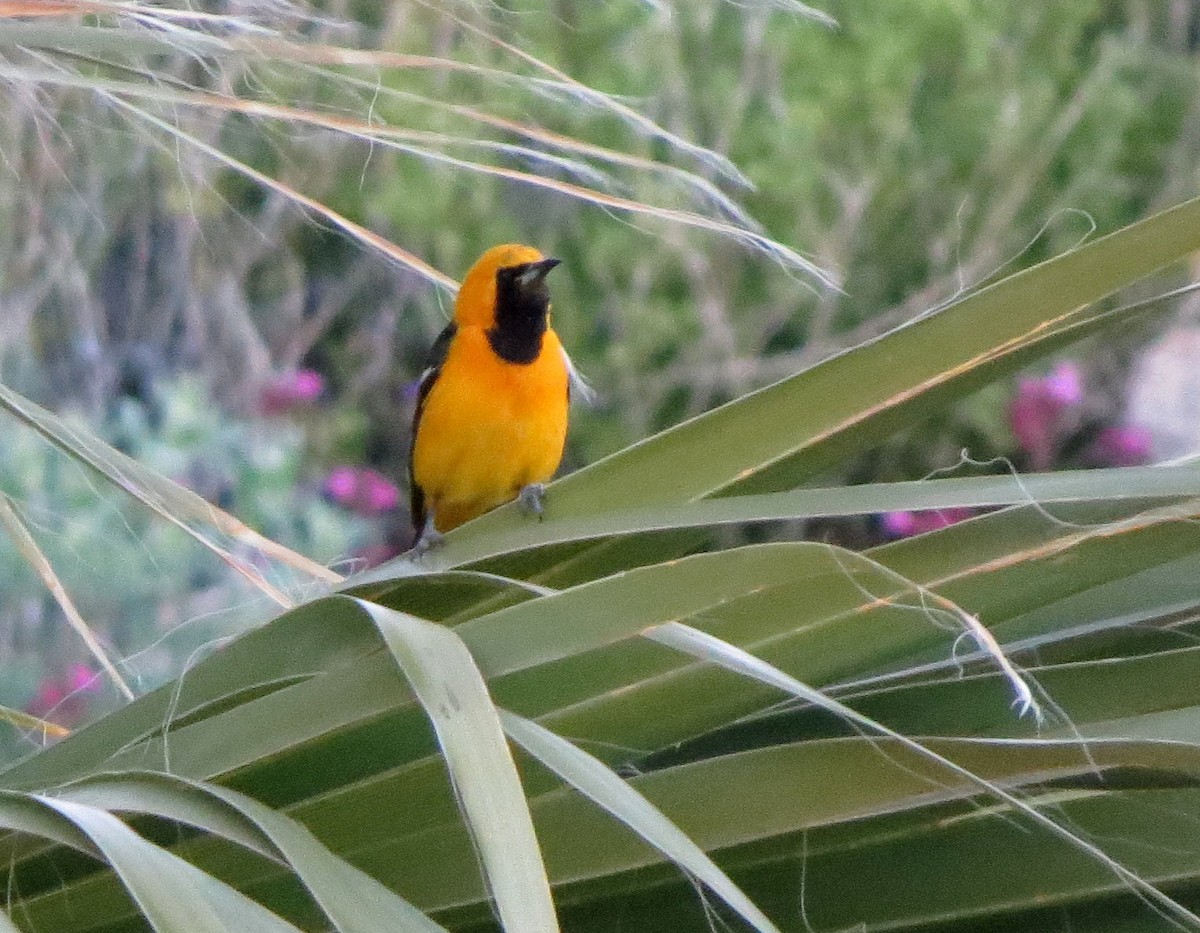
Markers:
<point>522,306</point>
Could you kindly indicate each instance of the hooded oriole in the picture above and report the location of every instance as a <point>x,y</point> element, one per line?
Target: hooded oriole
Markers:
<point>491,415</point>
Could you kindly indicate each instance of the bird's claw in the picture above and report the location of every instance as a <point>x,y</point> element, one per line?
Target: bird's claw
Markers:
<point>531,497</point>
<point>429,540</point>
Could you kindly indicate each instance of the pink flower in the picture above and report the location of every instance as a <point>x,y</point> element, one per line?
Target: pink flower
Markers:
<point>308,384</point>
<point>1064,384</point>
<point>65,696</point>
<point>49,694</point>
<point>341,485</point>
<point>290,391</point>
<point>906,524</point>
<point>1040,412</point>
<point>82,679</point>
<point>365,491</point>
<point>379,494</point>
<point>1124,445</point>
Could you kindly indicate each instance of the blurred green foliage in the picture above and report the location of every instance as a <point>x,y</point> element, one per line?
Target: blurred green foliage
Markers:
<point>157,599</point>
<point>919,149</point>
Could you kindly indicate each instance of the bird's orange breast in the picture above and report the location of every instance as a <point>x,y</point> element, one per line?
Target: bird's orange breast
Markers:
<point>489,427</point>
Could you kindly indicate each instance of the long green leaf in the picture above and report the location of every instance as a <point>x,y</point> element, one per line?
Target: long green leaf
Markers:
<point>599,783</point>
<point>708,648</point>
<point>1045,489</point>
<point>352,901</point>
<point>171,894</point>
<point>453,693</point>
<point>1025,883</point>
<point>751,798</point>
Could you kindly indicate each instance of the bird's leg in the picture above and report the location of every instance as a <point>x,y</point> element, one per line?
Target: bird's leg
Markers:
<point>530,498</point>
<point>429,539</point>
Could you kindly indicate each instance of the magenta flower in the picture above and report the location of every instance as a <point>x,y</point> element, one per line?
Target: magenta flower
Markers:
<point>308,384</point>
<point>288,392</point>
<point>379,494</point>
<point>1042,410</point>
<point>82,679</point>
<point>1064,384</point>
<point>1122,445</point>
<point>49,694</point>
<point>65,696</point>
<point>341,485</point>
<point>365,491</point>
<point>906,524</point>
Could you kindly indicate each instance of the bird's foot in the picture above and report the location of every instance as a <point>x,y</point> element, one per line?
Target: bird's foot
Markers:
<point>429,540</point>
<point>530,499</point>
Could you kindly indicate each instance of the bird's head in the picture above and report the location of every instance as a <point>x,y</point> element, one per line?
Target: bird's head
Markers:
<point>506,286</point>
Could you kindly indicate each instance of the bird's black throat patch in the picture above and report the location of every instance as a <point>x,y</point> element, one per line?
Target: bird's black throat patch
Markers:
<point>517,346</point>
<point>522,306</point>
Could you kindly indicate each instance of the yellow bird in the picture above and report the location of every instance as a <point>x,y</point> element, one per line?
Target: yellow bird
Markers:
<point>491,416</point>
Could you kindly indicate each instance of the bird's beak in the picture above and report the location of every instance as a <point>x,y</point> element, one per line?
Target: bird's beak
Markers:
<point>536,271</point>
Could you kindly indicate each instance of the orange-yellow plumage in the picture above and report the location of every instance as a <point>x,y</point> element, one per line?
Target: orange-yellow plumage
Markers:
<point>493,415</point>
<point>475,305</point>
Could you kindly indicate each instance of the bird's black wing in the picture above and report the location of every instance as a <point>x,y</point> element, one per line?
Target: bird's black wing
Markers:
<point>437,356</point>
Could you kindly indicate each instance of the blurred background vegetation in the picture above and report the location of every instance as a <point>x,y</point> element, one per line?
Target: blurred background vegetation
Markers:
<point>154,289</point>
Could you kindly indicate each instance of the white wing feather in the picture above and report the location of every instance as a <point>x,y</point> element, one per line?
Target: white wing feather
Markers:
<point>579,387</point>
